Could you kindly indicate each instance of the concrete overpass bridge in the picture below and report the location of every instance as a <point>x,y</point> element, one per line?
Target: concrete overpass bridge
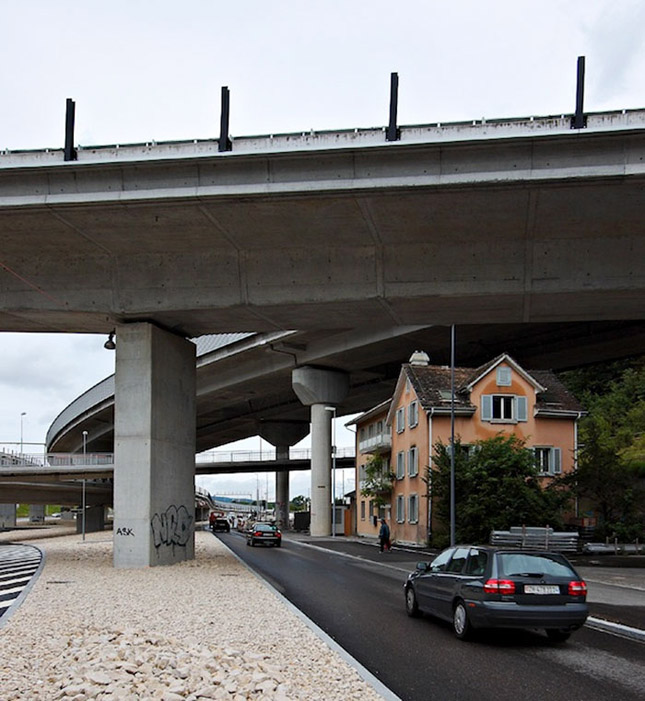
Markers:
<point>336,235</point>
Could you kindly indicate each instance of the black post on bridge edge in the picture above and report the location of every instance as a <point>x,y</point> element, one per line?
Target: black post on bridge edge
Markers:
<point>579,119</point>
<point>224,141</point>
<point>70,152</point>
<point>393,133</point>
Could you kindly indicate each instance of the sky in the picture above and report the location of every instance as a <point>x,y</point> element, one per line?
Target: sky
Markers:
<point>143,70</point>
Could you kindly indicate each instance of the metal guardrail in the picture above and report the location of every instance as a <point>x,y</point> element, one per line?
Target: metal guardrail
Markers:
<point>104,459</point>
<point>535,538</point>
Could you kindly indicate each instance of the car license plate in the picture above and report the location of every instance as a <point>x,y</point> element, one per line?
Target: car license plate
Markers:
<point>541,589</point>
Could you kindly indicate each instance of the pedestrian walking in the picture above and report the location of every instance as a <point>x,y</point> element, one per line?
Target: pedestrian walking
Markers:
<point>384,536</point>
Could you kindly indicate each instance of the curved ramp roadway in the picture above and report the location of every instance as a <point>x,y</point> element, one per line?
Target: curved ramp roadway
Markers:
<point>358,601</point>
<point>18,564</point>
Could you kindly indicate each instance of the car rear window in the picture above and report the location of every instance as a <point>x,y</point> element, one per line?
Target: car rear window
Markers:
<point>533,563</point>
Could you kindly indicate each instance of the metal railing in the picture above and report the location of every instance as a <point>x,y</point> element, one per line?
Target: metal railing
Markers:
<point>105,459</point>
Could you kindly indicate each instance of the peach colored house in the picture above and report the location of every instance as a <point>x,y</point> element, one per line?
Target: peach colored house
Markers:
<point>500,396</point>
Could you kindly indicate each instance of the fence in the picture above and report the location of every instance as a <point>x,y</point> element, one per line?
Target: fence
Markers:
<point>536,538</point>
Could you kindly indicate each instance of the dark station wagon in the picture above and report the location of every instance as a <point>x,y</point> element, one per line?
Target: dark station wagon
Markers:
<point>264,533</point>
<point>484,587</point>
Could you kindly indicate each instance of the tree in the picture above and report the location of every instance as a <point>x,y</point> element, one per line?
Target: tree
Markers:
<point>378,481</point>
<point>299,503</point>
<point>610,476</point>
<point>496,487</point>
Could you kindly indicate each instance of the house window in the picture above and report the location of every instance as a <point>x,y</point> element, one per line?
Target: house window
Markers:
<point>400,509</point>
<point>548,460</point>
<point>413,414</point>
<point>400,465</point>
<point>503,377</point>
<point>362,510</point>
<point>400,420</point>
<point>362,435</point>
<point>413,461</point>
<point>413,508</point>
<point>370,431</point>
<point>505,408</point>
<point>379,428</point>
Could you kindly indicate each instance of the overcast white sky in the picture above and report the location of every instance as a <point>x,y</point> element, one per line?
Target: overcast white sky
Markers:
<point>153,69</point>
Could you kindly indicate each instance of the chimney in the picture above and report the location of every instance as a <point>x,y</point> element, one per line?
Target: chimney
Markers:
<point>420,359</point>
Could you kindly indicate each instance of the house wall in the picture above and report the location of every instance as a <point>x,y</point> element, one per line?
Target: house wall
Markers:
<point>365,511</point>
<point>404,528</point>
<point>536,431</point>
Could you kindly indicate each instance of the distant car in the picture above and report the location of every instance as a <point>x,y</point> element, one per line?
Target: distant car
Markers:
<point>221,524</point>
<point>484,587</point>
<point>264,533</point>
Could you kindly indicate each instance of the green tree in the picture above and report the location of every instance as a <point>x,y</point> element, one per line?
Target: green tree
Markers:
<point>610,477</point>
<point>496,487</point>
<point>378,481</point>
<point>299,503</point>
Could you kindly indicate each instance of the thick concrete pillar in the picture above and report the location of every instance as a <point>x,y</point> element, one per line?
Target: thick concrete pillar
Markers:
<point>282,434</point>
<point>7,515</point>
<point>154,448</point>
<point>37,513</point>
<point>282,492</point>
<point>94,520</point>
<point>321,389</point>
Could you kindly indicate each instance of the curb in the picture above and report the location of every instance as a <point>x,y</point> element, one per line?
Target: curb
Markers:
<point>618,629</point>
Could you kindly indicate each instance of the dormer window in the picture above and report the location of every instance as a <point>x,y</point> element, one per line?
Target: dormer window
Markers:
<point>503,377</point>
<point>504,408</point>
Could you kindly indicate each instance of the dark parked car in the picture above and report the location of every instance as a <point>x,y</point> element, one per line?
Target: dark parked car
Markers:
<point>484,587</point>
<point>221,524</point>
<point>264,533</point>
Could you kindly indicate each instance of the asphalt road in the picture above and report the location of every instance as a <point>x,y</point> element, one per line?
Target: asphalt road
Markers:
<point>359,603</point>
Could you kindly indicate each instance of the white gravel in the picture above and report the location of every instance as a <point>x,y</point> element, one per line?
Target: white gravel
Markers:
<point>202,629</point>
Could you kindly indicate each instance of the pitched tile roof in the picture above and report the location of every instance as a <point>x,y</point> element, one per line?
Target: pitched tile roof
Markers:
<point>432,386</point>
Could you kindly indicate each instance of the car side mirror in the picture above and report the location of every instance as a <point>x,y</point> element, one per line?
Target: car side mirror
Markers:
<point>422,566</point>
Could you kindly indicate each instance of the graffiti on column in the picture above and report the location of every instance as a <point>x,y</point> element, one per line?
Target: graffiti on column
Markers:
<point>172,527</point>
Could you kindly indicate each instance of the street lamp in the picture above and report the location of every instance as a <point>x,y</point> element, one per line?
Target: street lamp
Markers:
<point>333,471</point>
<point>22,415</point>
<point>84,463</point>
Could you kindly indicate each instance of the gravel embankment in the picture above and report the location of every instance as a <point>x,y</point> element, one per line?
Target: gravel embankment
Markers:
<point>202,629</point>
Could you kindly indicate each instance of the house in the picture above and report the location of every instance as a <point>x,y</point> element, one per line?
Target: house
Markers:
<point>499,396</point>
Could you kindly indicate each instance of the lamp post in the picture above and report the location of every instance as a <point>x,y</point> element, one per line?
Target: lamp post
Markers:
<point>22,415</point>
<point>84,463</point>
<point>333,471</point>
<point>452,435</point>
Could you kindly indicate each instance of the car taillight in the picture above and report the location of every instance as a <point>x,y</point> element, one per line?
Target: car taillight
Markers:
<point>258,533</point>
<point>577,588</point>
<point>499,586</point>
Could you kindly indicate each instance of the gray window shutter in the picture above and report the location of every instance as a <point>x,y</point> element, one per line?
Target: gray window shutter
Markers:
<point>487,407</point>
<point>557,463</point>
<point>521,408</point>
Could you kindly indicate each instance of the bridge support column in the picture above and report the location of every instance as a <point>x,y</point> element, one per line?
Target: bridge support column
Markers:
<point>37,513</point>
<point>282,434</point>
<point>282,493</point>
<point>7,515</point>
<point>154,451</point>
<point>94,520</point>
<point>321,389</point>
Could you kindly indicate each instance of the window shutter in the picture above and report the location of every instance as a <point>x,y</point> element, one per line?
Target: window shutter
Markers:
<point>557,463</point>
<point>487,407</point>
<point>521,408</point>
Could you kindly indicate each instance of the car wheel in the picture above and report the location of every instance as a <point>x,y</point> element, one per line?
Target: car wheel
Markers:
<point>460,623</point>
<point>557,636</point>
<point>278,544</point>
<point>411,605</point>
